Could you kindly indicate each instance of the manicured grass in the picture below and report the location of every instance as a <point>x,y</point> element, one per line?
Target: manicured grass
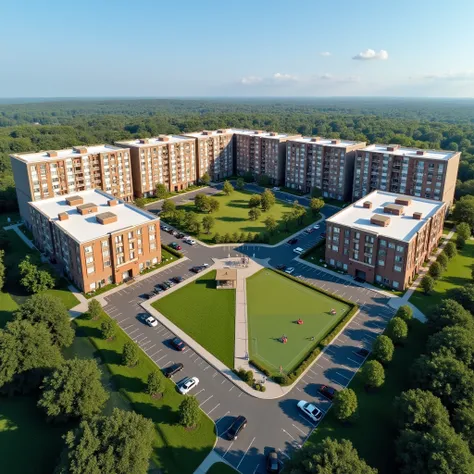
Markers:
<point>232,216</point>
<point>175,448</point>
<point>274,303</point>
<point>373,432</point>
<point>457,274</point>
<point>204,313</point>
<point>7,307</point>
<point>317,254</point>
<point>221,468</point>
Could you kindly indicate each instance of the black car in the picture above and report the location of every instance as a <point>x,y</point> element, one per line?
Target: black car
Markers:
<point>236,427</point>
<point>273,464</point>
<point>157,290</point>
<point>293,241</point>
<point>178,344</point>
<point>149,295</point>
<point>363,352</point>
<point>172,370</point>
<point>179,235</point>
<point>197,269</point>
<point>327,391</point>
<point>177,279</point>
<point>165,285</point>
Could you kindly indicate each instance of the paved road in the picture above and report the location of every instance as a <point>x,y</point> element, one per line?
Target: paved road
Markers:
<point>275,424</point>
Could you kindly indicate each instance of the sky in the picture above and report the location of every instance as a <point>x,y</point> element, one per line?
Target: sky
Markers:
<point>237,48</point>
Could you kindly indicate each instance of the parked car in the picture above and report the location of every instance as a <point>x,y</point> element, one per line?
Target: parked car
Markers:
<point>316,227</point>
<point>151,321</point>
<point>174,233</point>
<point>150,295</point>
<point>197,269</point>
<point>310,410</point>
<point>298,250</point>
<point>293,241</point>
<point>170,283</point>
<point>327,391</point>
<point>165,285</point>
<point>273,464</point>
<point>179,235</point>
<point>191,241</point>
<point>165,228</point>
<point>157,290</point>
<point>175,246</point>
<point>186,385</point>
<point>168,372</point>
<point>170,230</point>
<point>362,352</point>
<point>236,427</point>
<point>177,279</point>
<point>309,230</point>
<point>281,267</point>
<point>178,344</point>
<point>289,270</point>
<point>276,188</point>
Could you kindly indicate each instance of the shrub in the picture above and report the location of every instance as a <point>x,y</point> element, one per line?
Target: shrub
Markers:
<point>107,329</point>
<point>189,412</point>
<point>435,270</point>
<point>443,260</point>
<point>130,354</point>
<point>427,284</point>
<point>405,313</point>
<point>94,309</point>
<point>383,349</point>
<point>345,404</point>
<point>397,330</point>
<point>460,242</point>
<point>450,250</point>
<point>373,373</point>
<point>260,367</point>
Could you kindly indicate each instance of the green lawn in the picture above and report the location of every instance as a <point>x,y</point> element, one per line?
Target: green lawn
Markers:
<point>221,468</point>
<point>457,274</point>
<point>274,303</point>
<point>233,217</point>
<point>175,448</point>
<point>204,313</point>
<point>373,432</point>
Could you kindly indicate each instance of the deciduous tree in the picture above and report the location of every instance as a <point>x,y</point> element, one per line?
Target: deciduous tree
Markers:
<point>464,211</point>
<point>463,423</point>
<point>240,184</point>
<point>189,412</point>
<point>450,250</point>
<point>208,223</point>
<point>205,179</point>
<point>383,349</point>
<point>214,204</point>
<point>2,269</point>
<point>373,373</point>
<point>140,202</point>
<point>345,404</point>
<point>94,309</point>
<point>255,200</point>
<point>427,284</point>
<point>270,224</point>
<point>464,295</point>
<point>449,313</point>
<point>130,354</point>
<point>108,329</point>
<point>154,385</point>
<point>405,312</point>
<point>228,188</point>
<point>458,340</point>
<point>267,200</point>
<point>32,278</point>
<point>316,204</point>
<point>254,214</point>
<point>435,270</point>
<point>397,330</point>
<point>443,260</point>
<point>168,208</point>
<point>463,230</point>
<point>161,191</point>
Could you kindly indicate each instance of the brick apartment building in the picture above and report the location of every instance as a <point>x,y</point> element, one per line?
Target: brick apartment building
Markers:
<point>166,159</point>
<point>261,153</point>
<point>52,173</point>
<point>428,174</point>
<point>214,153</point>
<point>327,164</point>
<point>96,238</point>
<point>384,237</point>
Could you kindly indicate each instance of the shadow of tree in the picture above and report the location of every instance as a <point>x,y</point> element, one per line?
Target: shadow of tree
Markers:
<point>130,384</point>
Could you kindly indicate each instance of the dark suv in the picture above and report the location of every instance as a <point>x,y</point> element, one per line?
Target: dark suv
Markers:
<point>237,426</point>
<point>172,370</point>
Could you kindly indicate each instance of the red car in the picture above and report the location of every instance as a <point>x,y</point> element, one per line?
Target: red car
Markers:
<point>327,391</point>
<point>175,246</point>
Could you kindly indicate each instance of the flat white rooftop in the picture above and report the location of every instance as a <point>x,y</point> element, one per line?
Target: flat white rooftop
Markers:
<point>141,142</point>
<point>66,153</point>
<point>84,228</point>
<point>211,133</point>
<point>402,227</point>
<point>264,134</point>
<point>411,152</point>
<point>326,141</point>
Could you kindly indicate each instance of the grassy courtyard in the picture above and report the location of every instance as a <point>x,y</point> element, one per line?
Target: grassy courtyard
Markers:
<point>204,313</point>
<point>274,303</point>
<point>232,217</point>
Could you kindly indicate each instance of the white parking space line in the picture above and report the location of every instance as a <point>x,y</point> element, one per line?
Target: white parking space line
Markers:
<point>240,462</point>
<point>207,399</point>
<point>154,353</point>
<point>210,411</point>
<point>135,330</point>
<point>162,357</point>
<point>200,391</point>
<point>221,418</point>
<point>284,454</point>
<point>286,432</point>
<point>352,360</point>
<point>230,446</point>
<point>343,376</point>
<point>300,430</point>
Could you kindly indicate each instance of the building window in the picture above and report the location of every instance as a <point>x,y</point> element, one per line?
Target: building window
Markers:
<point>139,232</point>
<point>90,270</point>
<point>118,238</point>
<point>120,260</point>
<point>90,259</point>
<point>395,284</point>
<point>92,286</point>
<point>391,245</point>
<point>107,263</point>
<point>151,228</point>
<point>104,243</point>
<point>378,278</point>
<point>400,248</point>
<point>398,258</point>
<point>88,249</point>
<point>335,248</point>
<point>396,268</point>
<point>382,263</point>
<point>130,235</point>
<point>152,236</point>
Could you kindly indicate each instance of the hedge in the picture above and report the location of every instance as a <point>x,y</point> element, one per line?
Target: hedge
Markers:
<point>260,367</point>
<point>172,251</point>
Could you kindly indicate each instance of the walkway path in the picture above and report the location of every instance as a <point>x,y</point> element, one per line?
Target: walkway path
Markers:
<point>20,234</point>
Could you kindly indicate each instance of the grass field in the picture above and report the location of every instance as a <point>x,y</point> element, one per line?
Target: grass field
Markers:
<point>457,274</point>
<point>205,314</point>
<point>232,216</point>
<point>221,468</point>
<point>274,303</point>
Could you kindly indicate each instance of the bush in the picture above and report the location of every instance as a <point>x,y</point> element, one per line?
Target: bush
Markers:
<point>189,412</point>
<point>427,284</point>
<point>405,313</point>
<point>463,230</point>
<point>450,250</point>
<point>246,376</point>
<point>260,367</point>
<point>460,242</point>
<point>443,260</point>
<point>94,309</point>
<point>130,354</point>
<point>172,251</point>
<point>107,329</point>
<point>435,270</point>
<point>345,404</point>
<point>383,349</point>
<point>154,384</point>
<point>397,330</point>
<point>373,373</point>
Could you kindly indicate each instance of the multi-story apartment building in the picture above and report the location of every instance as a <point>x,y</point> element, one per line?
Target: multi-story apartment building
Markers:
<point>384,237</point>
<point>96,238</point>
<point>428,174</point>
<point>327,164</point>
<point>261,153</point>
<point>58,172</point>
<point>166,159</point>
<point>214,153</point>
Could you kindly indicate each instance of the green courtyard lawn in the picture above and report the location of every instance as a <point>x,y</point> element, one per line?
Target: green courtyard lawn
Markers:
<point>373,432</point>
<point>232,216</point>
<point>221,468</point>
<point>205,314</point>
<point>457,274</point>
<point>274,303</point>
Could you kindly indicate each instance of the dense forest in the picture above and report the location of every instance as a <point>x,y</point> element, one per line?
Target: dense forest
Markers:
<point>43,125</point>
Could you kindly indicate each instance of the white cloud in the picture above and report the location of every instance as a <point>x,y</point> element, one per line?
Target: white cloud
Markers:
<point>251,80</point>
<point>276,79</point>
<point>451,76</point>
<point>371,54</point>
<point>325,53</point>
<point>341,79</point>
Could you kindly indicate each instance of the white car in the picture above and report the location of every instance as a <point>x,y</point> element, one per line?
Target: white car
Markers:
<point>151,321</point>
<point>310,410</point>
<point>187,384</point>
<point>289,270</point>
<point>298,250</point>
<point>190,241</point>
<point>275,189</point>
<point>316,226</point>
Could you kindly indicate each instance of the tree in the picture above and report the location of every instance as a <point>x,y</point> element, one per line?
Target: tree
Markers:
<point>33,279</point>
<point>27,353</point>
<point>267,200</point>
<point>435,270</point>
<point>121,443</point>
<point>464,211</point>
<point>457,340</point>
<point>463,423</point>
<point>228,188</point>
<point>240,184</point>
<point>383,349</point>
<point>450,250</point>
<point>405,312</point>
<point>154,385</point>
<point>130,354</point>
<point>189,413</point>
<point>463,230</point>
<point>94,309</point>
<point>440,450</point>
<point>329,456</point>
<point>140,202</point>
<point>208,223</point>
<point>49,310</point>
<point>205,179</point>
<point>446,377</point>
<point>254,214</point>
<point>449,313</point>
<point>2,269</point>
<point>316,193</point>
<point>73,390</point>
<point>107,329</point>
<point>419,410</point>
<point>397,330</point>
<point>270,224</point>
<point>201,202</point>
<point>214,204</point>
<point>179,217</point>
<point>298,212</point>
<point>255,200</point>
<point>427,284</point>
<point>345,404</point>
<point>373,373</point>
<point>286,218</point>
<point>161,191</point>
<point>192,222</point>
<point>263,180</point>
<point>168,208</point>
<point>217,238</point>
<point>464,295</point>
<point>460,242</point>
<point>316,204</point>
<point>443,260</point>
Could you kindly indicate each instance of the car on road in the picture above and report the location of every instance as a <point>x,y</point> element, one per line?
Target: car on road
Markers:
<point>178,344</point>
<point>273,465</point>
<point>328,391</point>
<point>292,241</point>
<point>152,294</point>
<point>236,427</point>
<point>170,282</point>
<point>168,372</point>
<point>179,235</point>
<point>310,410</point>
<point>276,188</point>
<point>177,279</point>
<point>362,352</point>
<point>186,385</point>
<point>281,267</point>
<point>175,246</point>
<point>190,241</point>
<point>197,269</point>
<point>298,250</point>
<point>289,270</point>
<point>165,285</point>
<point>165,228</point>
<point>309,230</point>
<point>151,321</point>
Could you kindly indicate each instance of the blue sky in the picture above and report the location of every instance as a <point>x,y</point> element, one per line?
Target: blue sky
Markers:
<point>241,48</point>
